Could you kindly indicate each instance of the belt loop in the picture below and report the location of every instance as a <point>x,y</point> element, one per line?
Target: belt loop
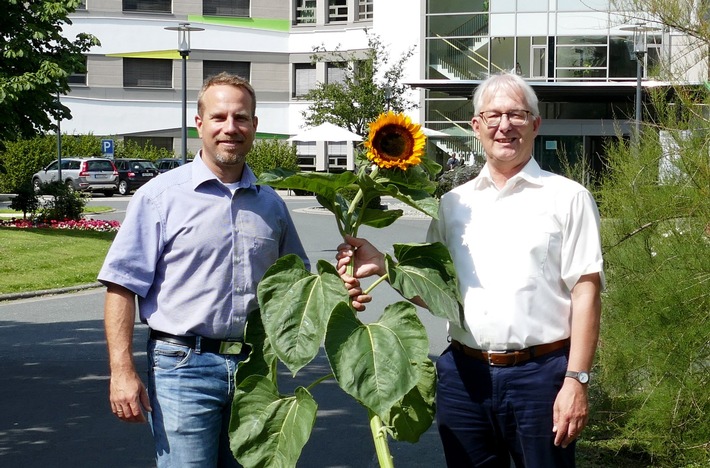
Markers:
<point>198,344</point>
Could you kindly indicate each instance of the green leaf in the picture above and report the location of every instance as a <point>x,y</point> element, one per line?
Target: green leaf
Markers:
<point>376,363</point>
<point>339,206</point>
<point>261,359</point>
<point>413,415</point>
<point>267,429</point>
<point>427,271</point>
<point>325,184</point>
<point>414,192</point>
<point>295,306</point>
<point>380,218</point>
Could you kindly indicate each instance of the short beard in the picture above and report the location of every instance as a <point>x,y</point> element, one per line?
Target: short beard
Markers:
<point>230,159</point>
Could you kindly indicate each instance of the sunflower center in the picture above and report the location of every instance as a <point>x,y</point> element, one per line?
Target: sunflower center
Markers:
<point>394,141</point>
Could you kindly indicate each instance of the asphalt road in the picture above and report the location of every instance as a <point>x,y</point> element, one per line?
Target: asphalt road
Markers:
<point>54,408</point>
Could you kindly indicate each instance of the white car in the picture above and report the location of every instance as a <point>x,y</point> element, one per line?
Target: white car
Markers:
<point>82,174</point>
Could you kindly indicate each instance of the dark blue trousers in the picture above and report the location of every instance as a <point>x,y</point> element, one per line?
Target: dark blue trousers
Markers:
<point>487,414</point>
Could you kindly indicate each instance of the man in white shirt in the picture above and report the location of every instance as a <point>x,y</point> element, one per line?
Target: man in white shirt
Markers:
<point>527,252</point>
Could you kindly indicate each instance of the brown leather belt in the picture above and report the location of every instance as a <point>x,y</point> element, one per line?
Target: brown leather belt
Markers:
<point>510,358</point>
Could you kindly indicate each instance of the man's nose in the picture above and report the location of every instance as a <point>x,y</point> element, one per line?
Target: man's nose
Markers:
<point>504,122</point>
<point>230,125</point>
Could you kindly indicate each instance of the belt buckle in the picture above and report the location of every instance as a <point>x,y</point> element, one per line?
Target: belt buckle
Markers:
<point>490,355</point>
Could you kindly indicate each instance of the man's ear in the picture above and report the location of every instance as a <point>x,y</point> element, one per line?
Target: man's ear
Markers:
<point>476,126</point>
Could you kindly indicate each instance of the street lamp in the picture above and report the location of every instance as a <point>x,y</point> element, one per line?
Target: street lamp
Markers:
<point>640,47</point>
<point>183,31</point>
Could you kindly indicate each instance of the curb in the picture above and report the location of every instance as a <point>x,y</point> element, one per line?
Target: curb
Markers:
<point>48,292</point>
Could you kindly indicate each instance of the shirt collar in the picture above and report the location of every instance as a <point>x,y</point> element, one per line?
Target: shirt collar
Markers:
<point>531,173</point>
<point>202,174</point>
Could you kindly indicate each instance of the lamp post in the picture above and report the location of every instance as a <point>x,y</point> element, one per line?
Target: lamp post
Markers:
<point>640,47</point>
<point>183,31</point>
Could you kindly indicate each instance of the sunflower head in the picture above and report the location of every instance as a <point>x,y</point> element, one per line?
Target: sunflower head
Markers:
<point>394,141</point>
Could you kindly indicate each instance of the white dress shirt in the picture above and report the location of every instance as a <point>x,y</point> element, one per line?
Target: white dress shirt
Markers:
<point>518,253</point>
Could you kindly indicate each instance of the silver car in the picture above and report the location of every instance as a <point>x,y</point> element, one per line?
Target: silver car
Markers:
<point>82,174</point>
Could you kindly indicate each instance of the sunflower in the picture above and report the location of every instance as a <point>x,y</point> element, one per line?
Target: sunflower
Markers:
<point>395,141</point>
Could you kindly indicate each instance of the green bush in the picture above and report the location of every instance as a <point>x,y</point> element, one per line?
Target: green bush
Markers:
<point>270,154</point>
<point>22,158</point>
<point>654,356</point>
<point>26,200</point>
<point>131,149</point>
<point>63,203</point>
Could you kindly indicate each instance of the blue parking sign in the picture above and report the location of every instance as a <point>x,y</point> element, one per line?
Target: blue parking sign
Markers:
<point>107,148</point>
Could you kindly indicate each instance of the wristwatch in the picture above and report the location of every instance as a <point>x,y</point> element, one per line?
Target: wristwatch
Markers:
<point>581,376</point>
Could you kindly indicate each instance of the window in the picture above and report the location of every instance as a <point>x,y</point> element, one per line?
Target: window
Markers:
<point>336,73</point>
<point>155,6</point>
<point>337,11</point>
<point>365,10</point>
<point>147,73</point>
<point>213,67</point>
<point>305,11</point>
<point>239,8</point>
<point>304,78</point>
<point>306,152</point>
<point>78,78</point>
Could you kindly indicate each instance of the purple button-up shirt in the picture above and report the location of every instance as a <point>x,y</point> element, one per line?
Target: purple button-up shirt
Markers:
<point>193,253</point>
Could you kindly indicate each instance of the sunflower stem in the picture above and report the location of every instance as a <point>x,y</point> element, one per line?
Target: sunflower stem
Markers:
<point>322,379</point>
<point>379,280</point>
<point>379,436</point>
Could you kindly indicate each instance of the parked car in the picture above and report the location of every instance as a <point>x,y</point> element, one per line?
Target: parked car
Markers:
<point>82,174</point>
<point>165,164</point>
<point>132,173</point>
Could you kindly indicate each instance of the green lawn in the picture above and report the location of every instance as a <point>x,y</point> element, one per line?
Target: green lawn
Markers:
<point>35,259</point>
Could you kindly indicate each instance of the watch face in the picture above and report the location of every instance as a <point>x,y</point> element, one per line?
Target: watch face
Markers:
<point>583,377</point>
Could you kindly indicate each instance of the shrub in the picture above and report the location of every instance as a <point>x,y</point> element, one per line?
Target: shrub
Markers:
<point>64,203</point>
<point>270,154</point>
<point>22,158</point>
<point>26,200</point>
<point>654,355</point>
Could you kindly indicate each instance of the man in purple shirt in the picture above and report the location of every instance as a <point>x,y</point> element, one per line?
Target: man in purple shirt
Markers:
<point>194,244</point>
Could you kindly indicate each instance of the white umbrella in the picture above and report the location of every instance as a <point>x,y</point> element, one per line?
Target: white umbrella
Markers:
<point>326,132</point>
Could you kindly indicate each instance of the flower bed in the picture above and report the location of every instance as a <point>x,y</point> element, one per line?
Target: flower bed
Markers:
<point>82,224</point>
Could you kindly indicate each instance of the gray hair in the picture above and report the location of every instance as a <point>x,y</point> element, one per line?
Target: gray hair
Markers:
<point>506,82</point>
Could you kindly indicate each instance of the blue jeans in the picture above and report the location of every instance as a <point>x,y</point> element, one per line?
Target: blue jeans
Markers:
<point>191,396</point>
<point>487,415</point>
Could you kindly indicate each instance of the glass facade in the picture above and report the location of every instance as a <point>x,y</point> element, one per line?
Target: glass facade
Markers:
<point>547,42</point>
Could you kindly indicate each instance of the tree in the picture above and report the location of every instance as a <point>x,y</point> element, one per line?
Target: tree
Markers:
<point>687,16</point>
<point>361,95</point>
<point>35,64</point>
<point>654,356</point>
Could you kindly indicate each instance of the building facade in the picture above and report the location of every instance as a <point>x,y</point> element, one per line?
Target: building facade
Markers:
<point>577,54</point>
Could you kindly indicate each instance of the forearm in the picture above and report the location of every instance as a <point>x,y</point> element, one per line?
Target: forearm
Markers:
<point>586,316</point>
<point>119,318</point>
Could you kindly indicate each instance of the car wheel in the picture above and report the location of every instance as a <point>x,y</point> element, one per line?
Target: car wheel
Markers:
<point>37,185</point>
<point>123,187</point>
<point>70,186</point>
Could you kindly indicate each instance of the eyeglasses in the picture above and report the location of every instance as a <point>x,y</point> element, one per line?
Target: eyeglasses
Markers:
<point>516,118</point>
